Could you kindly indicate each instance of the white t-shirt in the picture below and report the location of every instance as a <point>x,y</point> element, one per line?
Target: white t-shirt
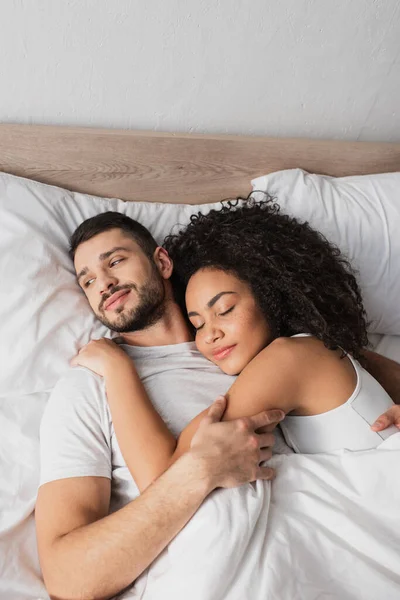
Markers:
<point>77,435</point>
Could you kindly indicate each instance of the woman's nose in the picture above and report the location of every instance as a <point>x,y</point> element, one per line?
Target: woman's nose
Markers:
<point>212,334</point>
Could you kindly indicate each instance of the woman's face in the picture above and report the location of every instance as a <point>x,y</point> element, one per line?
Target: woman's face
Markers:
<point>230,328</point>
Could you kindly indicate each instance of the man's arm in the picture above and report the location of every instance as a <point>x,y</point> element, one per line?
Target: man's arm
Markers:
<point>386,371</point>
<point>86,553</point>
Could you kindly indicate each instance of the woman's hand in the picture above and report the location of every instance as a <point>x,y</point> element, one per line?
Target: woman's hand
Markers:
<point>100,356</point>
<point>390,417</point>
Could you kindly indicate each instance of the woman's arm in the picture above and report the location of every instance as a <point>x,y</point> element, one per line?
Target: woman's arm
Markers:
<point>270,381</point>
<point>146,443</point>
<point>274,378</point>
<point>144,439</point>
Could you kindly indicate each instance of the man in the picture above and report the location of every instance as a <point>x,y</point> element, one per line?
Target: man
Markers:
<point>85,551</point>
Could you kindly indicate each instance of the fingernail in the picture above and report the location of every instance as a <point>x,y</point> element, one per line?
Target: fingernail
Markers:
<point>220,397</point>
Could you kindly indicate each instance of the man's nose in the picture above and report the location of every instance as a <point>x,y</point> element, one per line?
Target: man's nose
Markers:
<point>106,282</point>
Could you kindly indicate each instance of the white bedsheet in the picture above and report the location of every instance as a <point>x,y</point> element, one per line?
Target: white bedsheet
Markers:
<point>332,530</point>
<point>329,527</point>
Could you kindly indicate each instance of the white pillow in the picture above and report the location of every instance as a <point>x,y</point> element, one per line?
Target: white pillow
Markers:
<point>359,214</point>
<point>44,316</point>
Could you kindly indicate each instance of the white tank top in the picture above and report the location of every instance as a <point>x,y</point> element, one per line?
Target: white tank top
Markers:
<point>345,427</point>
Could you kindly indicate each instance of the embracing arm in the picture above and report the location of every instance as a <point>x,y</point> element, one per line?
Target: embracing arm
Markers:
<point>146,444</point>
<point>85,553</point>
<point>145,441</point>
<point>269,381</point>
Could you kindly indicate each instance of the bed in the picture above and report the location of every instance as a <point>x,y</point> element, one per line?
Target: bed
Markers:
<point>162,179</point>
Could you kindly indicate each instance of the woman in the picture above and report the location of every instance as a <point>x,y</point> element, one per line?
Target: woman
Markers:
<point>270,299</point>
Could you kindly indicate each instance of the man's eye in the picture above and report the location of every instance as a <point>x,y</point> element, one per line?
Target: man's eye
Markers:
<point>87,283</point>
<point>227,311</point>
<point>115,262</point>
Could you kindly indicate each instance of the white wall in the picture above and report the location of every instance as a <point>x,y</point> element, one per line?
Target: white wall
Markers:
<point>317,68</point>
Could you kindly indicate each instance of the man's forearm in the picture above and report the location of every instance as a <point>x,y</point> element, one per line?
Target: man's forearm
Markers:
<point>386,371</point>
<point>101,559</point>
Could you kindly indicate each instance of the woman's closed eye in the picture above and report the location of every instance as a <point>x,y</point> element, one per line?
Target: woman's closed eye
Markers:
<point>221,314</point>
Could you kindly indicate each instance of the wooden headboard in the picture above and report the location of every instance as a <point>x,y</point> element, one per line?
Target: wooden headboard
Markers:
<point>168,167</point>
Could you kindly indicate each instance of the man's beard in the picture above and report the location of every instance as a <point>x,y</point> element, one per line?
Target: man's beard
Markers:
<point>149,310</point>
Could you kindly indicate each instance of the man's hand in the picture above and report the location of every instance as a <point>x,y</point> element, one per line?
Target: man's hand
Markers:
<point>233,450</point>
<point>390,417</point>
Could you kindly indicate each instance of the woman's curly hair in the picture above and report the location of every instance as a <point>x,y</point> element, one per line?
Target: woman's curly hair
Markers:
<point>301,282</point>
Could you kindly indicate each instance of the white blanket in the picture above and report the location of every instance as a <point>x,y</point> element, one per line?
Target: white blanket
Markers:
<point>328,528</point>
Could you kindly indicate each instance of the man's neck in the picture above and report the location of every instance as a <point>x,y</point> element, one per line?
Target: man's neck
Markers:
<point>170,329</point>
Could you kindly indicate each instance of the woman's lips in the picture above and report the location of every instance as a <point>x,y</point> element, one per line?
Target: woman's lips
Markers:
<point>118,301</point>
<point>223,352</point>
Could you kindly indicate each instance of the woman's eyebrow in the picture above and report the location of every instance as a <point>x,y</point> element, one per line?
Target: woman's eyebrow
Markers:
<point>215,299</point>
<point>210,303</point>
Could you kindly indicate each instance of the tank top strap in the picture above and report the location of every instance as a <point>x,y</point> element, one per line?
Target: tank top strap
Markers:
<point>302,335</point>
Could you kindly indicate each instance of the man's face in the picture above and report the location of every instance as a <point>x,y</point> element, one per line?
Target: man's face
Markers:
<point>123,287</point>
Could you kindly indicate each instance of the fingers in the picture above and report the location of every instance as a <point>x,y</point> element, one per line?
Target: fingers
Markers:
<point>217,409</point>
<point>74,362</point>
<point>265,473</point>
<point>265,454</point>
<point>266,440</point>
<point>390,417</point>
<point>381,423</point>
<point>267,417</point>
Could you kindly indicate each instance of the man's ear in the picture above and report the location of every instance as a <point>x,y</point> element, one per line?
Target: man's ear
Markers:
<point>163,262</point>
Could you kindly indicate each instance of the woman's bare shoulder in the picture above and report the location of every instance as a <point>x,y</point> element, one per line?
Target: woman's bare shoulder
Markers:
<point>284,358</point>
<point>297,348</point>
<point>299,356</point>
<point>302,347</point>
<point>325,378</point>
